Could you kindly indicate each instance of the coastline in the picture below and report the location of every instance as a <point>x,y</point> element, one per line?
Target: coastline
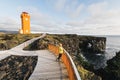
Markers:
<point>85,68</point>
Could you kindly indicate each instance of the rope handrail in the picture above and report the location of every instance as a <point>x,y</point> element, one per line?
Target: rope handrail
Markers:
<point>67,60</point>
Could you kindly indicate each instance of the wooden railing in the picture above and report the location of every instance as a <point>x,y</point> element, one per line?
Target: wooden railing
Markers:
<point>67,60</point>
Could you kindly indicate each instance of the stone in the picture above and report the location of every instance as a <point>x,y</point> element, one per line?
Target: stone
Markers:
<point>2,74</point>
<point>17,67</point>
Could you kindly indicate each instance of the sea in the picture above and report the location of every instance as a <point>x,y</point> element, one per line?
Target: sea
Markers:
<point>100,60</point>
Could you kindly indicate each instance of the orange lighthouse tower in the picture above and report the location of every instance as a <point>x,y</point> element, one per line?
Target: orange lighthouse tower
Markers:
<point>25,20</point>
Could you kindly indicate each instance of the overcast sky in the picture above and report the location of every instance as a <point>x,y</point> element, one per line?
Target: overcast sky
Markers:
<point>86,17</point>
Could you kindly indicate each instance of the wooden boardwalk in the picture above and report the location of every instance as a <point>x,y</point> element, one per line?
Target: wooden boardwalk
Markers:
<point>46,69</point>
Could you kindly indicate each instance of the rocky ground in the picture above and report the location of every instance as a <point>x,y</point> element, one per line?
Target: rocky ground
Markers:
<point>112,70</point>
<point>17,67</point>
<point>8,41</point>
<point>21,67</point>
<point>74,44</point>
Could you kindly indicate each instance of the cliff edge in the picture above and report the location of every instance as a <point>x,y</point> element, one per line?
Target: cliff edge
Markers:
<point>74,44</point>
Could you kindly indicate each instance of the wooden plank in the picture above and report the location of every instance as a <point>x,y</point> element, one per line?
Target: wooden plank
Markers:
<point>48,68</point>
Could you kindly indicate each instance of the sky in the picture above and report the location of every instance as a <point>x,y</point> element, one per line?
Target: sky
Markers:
<point>84,17</point>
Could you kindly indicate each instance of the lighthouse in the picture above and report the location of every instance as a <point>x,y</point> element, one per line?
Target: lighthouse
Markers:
<point>25,21</point>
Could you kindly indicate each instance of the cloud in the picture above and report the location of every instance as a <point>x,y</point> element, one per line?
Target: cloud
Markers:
<point>60,4</point>
<point>101,21</point>
<point>72,8</point>
<point>97,8</point>
<point>74,12</point>
<point>75,23</point>
<point>39,21</point>
<point>98,19</point>
<point>8,23</point>
<point>97,23</point>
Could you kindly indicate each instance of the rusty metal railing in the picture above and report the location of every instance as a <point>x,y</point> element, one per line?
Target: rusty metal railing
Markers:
<point>67,60</point>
